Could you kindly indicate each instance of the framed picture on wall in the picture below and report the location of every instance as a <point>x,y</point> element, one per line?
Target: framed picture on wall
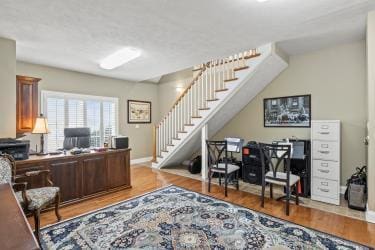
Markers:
<point>289,111</point>
<point>139,111</point>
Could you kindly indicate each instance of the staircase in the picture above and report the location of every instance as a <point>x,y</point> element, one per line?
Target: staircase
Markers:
<point>220,89</point>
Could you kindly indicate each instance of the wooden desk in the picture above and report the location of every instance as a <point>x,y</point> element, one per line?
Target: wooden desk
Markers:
<point>15,231</point>
<point>81,176</point>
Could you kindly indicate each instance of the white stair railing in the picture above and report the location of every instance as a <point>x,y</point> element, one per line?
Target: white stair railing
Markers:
<point>212,78</point>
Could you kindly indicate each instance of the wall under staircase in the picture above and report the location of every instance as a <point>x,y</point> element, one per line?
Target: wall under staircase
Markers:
<point>221,89</point>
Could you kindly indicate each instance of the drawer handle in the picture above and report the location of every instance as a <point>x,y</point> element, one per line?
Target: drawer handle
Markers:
<point>324,190</point>
<point>324,145</point>
<point>324,164</point>
<point>324,171</point>
<point>324,183</point>
<point>324,133</point>
<point>324,151</point>
<point>324,127</point>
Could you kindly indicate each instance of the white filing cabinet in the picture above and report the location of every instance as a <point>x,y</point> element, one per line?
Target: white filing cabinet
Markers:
<point>325,159</point>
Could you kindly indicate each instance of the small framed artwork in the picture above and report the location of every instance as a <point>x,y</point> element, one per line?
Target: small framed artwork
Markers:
<point>289,111</point>
<point>139,111</point>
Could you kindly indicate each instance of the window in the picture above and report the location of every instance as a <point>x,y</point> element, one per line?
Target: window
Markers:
<point>65,110</point>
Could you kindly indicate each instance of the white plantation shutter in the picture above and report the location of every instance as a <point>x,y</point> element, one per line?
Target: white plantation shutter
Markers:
<point>62,110</point>
<point>109,119</point>
<point>75,113</point>
<point>56,122</point>
<point>93,122</point>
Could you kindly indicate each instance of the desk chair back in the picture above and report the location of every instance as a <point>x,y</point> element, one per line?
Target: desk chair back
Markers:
<point>275,156</point>
<point>217,153</point>
<point>7,169</point>
<point>76,137</point>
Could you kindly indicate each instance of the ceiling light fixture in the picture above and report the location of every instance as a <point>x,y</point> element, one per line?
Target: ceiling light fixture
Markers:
<point>179,89</point>
<point>120,57</point>
<point>261,1</point>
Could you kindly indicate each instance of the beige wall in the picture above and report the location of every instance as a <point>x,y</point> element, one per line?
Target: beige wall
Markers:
<point>7,88</point>
<point>335,78</point>
<point>167,91</point>
<point>55,79</point>
<point>371,108</point>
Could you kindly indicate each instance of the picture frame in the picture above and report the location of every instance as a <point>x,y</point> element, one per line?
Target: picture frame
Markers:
<point>139,112</point>
<point>287,111</point>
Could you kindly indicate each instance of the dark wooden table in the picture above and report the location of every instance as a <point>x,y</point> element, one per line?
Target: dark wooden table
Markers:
<point>15,231</point>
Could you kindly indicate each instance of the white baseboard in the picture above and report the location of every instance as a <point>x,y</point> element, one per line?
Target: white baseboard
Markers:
<point>342,189</point>
<point>140,160</point>
<point>370,216</point>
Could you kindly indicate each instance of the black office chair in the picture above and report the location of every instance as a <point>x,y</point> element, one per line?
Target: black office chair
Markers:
<point>218,163</point>
<point>276,155</point>
<point>76,137</point>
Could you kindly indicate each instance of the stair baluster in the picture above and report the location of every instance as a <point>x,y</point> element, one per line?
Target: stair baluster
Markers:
<point>210,79</point>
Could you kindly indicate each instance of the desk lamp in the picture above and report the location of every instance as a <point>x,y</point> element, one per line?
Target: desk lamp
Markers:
<point>41,127</point>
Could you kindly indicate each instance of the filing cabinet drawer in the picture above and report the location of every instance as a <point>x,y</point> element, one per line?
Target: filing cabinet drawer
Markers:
<point>326,169</point>
<point>326,131</point>
<point>325,188</point>
<point>326,150</point>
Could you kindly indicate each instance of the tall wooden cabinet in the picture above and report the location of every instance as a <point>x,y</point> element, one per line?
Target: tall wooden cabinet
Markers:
<point>27,103</point>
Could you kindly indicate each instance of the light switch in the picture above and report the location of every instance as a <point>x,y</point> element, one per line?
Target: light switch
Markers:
<point>137,126</point>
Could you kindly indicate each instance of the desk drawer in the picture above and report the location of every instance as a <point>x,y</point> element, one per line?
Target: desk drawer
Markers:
<point>326,169</point>
<point>326,150</point>
<point>326,131</point>
<point>325,188</point>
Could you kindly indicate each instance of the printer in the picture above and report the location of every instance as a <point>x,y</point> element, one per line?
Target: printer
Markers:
<point>118,142</point>
<point>19,149</point>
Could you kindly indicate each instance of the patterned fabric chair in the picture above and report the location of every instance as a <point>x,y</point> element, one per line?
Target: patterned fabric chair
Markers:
<point>31,200</point>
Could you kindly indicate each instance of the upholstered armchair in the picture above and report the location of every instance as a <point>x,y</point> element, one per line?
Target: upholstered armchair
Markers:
<point>31,200</point>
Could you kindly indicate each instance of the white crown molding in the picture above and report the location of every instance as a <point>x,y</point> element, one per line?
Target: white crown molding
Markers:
<point>141,160</point>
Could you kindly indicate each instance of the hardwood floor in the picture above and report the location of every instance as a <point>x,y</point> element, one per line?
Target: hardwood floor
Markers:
<point>145,179</point>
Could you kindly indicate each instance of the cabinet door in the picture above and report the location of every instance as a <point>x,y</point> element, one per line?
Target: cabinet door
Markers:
<point>67,176</point>
<point>94,175</point>
<point>27,103</point>
<point>118,173</point>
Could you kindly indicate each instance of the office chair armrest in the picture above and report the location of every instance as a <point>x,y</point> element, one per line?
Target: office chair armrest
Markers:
<point>21,186</point>
<point>45,173</point>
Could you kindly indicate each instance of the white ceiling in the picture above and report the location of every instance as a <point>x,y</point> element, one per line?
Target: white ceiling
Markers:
<point>173,34</point>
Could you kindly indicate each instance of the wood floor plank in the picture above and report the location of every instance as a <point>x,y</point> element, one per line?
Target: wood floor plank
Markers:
<point>145,179</point>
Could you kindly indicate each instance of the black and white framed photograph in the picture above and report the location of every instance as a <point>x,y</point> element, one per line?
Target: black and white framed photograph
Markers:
<point>289,111</point>
<point>139,111</point>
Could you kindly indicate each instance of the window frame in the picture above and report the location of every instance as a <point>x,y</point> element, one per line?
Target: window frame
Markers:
<point>82,97</point>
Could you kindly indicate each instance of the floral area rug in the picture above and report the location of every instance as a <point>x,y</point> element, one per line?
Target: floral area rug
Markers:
<point>176,218</point>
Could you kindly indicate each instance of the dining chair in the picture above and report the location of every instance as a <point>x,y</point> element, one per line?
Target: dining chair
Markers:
<point>277,158</point>
<point>218,163</point>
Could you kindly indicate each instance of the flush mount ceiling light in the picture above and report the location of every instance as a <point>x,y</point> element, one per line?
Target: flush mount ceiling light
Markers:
<point>120,57</point>
<point>261,1</point>
<point>179,89</point>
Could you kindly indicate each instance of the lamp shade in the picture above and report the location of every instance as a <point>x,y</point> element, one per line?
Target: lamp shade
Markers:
<point>41,126</point>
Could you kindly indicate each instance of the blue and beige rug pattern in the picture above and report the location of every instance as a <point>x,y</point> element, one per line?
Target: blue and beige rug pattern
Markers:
<point>175,218</point>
